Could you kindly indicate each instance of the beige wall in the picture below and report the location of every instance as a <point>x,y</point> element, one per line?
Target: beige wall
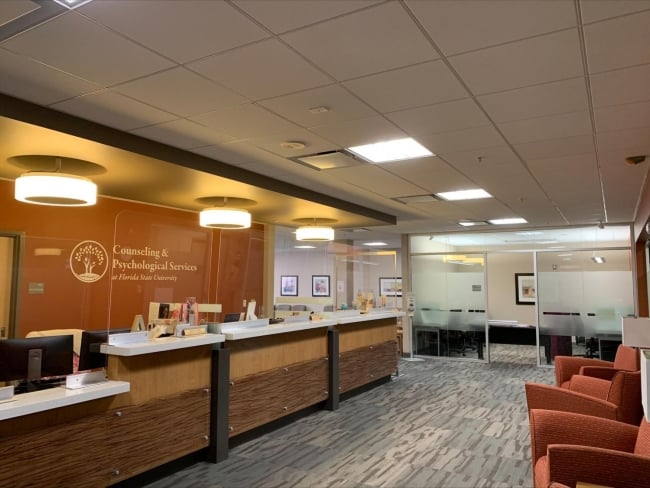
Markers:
<point>501,269</point>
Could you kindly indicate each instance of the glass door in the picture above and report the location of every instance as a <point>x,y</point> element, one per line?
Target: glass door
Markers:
<point>450,318</point>
<point>582,297</point>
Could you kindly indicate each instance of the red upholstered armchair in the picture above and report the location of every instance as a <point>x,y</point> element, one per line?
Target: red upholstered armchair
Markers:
<point>627,359</point>
<point>569,447</point>
<point>618,399</point>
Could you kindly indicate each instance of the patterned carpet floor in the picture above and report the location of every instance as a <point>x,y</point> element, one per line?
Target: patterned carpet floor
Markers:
<point>439,424</point>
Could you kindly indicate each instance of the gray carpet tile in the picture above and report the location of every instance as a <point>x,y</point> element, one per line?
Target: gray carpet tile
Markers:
<point>439,424</point>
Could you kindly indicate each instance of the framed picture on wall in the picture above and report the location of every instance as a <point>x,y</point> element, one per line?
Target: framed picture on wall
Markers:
<point>390,287</point>
<point>320,285</point>
<point>525,288</point>
<point>289,285</point>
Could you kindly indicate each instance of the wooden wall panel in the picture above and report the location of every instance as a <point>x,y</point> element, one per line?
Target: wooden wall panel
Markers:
<point>255,355</point>
<point>360,334</point>
<point>258,399</point>
<point>365,365</point>
<point>161,374</point>
<point>157,432</point>
<point>71,454</point>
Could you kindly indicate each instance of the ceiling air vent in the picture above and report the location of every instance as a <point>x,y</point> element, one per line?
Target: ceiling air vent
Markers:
<point>329,160</point>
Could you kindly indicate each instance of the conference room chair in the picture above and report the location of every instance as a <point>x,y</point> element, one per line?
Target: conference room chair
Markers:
<point>626,359</point>
<point>568,448</point>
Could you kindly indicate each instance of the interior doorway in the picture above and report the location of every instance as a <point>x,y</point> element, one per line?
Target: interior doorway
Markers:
<point>10,251</point>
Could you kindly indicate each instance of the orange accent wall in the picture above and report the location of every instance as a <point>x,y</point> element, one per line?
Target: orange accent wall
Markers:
<point>230,262</point>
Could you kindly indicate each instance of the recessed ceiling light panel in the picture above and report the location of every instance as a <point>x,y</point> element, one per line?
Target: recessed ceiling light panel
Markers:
<point>464,194</point>
<point>514,220</point>
<point>396,150</point>
<point>375,243</point>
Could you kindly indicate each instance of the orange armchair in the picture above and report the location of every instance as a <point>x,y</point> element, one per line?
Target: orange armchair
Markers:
<point>569,447</point>
<point>618,399</point>
<point>626,359</point>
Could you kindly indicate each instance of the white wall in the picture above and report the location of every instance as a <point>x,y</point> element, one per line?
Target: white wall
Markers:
<point>501,269</point>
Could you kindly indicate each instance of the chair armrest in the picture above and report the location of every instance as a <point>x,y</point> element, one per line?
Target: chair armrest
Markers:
<point>567,366</point>
<point>569,464</point>
<point>552,427</point>
<point>555,398</point>
<point>602,372</point>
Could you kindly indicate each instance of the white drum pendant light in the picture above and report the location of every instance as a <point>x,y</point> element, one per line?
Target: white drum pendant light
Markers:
<point>225,218</point>
<point>55,189</point>
<point>315,233</point>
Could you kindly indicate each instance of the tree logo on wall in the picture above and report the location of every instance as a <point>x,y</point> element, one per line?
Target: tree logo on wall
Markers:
<point>89,261</point>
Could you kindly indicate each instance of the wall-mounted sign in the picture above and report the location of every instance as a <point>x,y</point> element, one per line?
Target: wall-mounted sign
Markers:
<point>147,264</point>
<point>88,261</point>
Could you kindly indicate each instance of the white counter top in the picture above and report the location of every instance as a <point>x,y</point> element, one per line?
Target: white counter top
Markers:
<point>234,331</point>
<point>365,317</point>
<point>161,344</point>
<point>39,401</point>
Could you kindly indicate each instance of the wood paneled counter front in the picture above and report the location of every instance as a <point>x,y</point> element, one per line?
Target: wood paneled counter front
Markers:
<point>280,369</point>
<point>156,409</point>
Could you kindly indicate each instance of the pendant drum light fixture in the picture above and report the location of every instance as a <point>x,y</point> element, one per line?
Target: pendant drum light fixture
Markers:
<point>55,189</point>
<point>225,218</point>
<point>225,213</point>
<point>314,232</point>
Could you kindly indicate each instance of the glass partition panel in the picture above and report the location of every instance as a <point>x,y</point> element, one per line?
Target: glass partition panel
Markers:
<point>582,296</point>
<point>449,319</point>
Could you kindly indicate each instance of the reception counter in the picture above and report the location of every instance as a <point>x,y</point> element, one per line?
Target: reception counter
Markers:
<point>154,409</point>
<point>279,369</point>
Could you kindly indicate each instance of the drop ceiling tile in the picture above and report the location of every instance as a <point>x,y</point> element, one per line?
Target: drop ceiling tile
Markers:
<point>359,131</point>
<point>262,70</point>
<point>376,180</point>
<point>182,133</point>
<point>413,86</point>
<point>551,148</point>
<point>180,91</point>
<point>284,15</point>
<point>431,174</point>
<point>13,10</point>
<point>182,30</point>
<point>239,153</point>
<point>550,57</point>
<point>621,86</point>
<point>489,23</point>
<point>365,42</point>
<point>313,143</point>
<point>622,189</point>
<point>340,105</point>
<point>23,78</point>
<point>461,140</point>
<point>121,59</point>
<point>491,158</point>
<point>442,117</point>
<point>630,141</point>
<point>536,101</point>
<point>628,116</point>
<point>549,127</point>
<point>618,43</point>
<point>604,9</point>
<point>558,176</point>
<point>113,110</point>
<point>244,121</point>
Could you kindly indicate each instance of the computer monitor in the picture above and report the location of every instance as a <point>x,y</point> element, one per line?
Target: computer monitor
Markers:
<point>232,317</point>
<point>34,358</point>
<point>90,356</point>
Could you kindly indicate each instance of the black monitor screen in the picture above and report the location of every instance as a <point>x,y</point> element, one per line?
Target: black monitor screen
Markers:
<point>90,356</point>
<point>35,357</point>
<point>232,317</point>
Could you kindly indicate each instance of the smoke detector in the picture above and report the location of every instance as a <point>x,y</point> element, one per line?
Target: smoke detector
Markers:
<point>293,145</point>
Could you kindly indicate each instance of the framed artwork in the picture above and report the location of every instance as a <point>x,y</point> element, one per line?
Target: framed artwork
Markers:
<point>289,285</point>
<point>390,287</point>
<point>320,285</point>
<point>525,288</point>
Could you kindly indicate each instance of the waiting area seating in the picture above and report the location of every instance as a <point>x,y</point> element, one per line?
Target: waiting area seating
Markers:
<point>604,389</point>
<point>568,448</point>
